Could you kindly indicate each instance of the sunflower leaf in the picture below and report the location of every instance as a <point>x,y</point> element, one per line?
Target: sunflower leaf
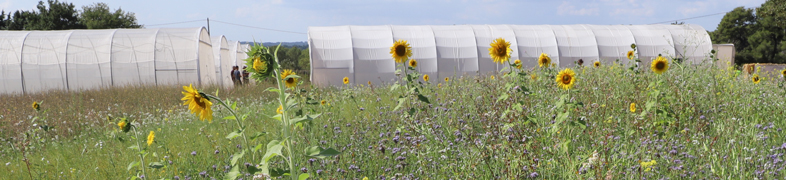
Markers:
<point>132,165</point>
<point>234,134</point>
<point>237,156</point>
<point>257,135</point>
<point>423,98</point>
<point>232,175</point>
<point>155,165</point>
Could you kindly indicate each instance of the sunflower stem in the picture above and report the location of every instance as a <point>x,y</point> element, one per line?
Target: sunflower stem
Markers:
<point>141,156</point>
<point>285,121</point>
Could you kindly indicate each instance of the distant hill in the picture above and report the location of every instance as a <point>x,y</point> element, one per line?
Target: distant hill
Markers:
<point>300,44</point>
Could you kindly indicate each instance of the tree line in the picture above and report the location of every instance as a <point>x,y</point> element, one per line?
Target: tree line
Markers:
<point>56,15</point>
<point>758,34</point>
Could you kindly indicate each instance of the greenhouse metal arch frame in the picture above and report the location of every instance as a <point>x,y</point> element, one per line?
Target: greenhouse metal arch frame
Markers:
<point>361,53</point>
<point>37,61</point>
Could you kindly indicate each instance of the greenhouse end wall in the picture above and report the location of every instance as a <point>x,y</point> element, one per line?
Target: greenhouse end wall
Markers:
<point>39,61</point>
<point>361,53</point>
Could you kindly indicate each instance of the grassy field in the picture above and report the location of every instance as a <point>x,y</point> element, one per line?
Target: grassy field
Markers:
<point>689,123</point>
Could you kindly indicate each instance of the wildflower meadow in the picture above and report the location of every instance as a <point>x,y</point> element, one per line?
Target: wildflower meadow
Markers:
<point>594,120</point>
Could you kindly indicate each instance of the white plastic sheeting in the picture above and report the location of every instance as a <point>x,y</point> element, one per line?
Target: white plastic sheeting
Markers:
<point>11,44</point>
<point>223,60</point>
<point>362,52</point>
<point>38,61</point>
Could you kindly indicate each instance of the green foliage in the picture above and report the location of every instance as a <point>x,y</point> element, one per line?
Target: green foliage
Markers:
<point>98,16</point>
<point>757,34</point>
<point>56,15</point>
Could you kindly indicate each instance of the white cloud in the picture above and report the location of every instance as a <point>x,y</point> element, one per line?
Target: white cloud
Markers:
<point>568,9</point>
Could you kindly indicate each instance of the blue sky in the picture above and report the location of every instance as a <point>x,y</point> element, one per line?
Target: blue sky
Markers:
<point>298,15</point>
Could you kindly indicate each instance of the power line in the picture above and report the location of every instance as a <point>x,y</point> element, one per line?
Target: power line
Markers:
<point>175,23</point>
<point>691,17</point>
<point>259,27</point>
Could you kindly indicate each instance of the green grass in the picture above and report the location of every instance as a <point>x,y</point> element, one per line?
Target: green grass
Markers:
<point>701,123</point>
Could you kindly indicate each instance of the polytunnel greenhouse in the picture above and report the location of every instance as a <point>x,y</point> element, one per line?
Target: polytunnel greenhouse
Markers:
<point>37,61</point>
<point>362,53</point>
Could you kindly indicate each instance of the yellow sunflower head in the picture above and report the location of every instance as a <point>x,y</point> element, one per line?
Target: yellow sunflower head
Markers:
<point>413,63</point>
<point>447,79</point>
<point>492,77</point>
<point>660,65</point>
<point>633,107</point>
<point>150,138</point>
<point>123,125</point>
<point>596,64</point>
<point>631,55</point>
<point>280,109</point>
<point>259,65</point>
<point>400,51</point>
<point>500,50</point>
<point>756,79</point>
<point>517,63</point>
<point>346,80</point>
<point>544,60</point>
<point>323,102</point>
<point>566,79</point>
<point>36,106</point>
<point>197,102</point>
<point>289,82</point>
<point>369,83</point>
<point>534,76</point>
<point>425,77</point>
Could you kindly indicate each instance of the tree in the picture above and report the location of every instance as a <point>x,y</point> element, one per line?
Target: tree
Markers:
<point>735,27</point>
<point>772,19</point>
<point>98,16</point>
<point>56,16</point>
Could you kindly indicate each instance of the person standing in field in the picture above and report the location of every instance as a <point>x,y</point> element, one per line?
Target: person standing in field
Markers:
<point>245,75</point>
<point>236,76</point>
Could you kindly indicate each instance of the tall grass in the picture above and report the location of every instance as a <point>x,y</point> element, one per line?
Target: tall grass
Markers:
<point>704,123</point>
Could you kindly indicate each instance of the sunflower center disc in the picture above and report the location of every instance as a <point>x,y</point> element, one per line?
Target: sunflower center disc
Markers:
<point>565,79</point>
<point>199,102</point>
<point>401,50</point>
<point>291,80</point>
<point>660,65</point>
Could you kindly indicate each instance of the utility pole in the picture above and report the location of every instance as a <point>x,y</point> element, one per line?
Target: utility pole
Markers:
<point>208,26</point>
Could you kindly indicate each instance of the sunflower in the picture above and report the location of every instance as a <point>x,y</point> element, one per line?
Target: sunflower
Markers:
<point>259,65</point>
<point>596,64</point>
<point>197,103</point>
<point>400,51</point>
<point>289,82</point>
<point>36,106</point>
<point>534,77</point>
<point>544,60</point>
<point>517,62</point>
<point>369,83</point>
<point>447,79</point>
<point>756,79</point>
<point>566,79</point>
<point>323,102</point>
<point>346,80</point>
<point>633,107</point>
<point>280,109</point>
<point>500,50</point>
<point>413,63</point>
<point>150,138</point>
<point>631,55</point>
<point>425,77</point>
<point>123,125</point>
<point>660,65</point>
<point>492,77</point>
